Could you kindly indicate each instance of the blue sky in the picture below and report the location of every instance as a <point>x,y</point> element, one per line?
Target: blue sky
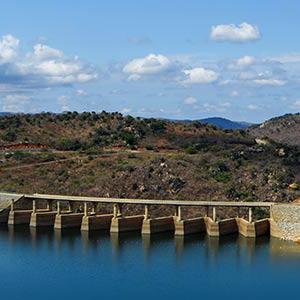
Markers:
<point>174,59</point>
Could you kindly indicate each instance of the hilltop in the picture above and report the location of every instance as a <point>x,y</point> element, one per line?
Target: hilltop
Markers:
<point>74,131</point>
<point>107,154</point>
<point>284,129</point>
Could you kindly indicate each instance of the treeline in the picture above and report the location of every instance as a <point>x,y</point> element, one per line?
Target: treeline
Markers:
<point>91,130</point>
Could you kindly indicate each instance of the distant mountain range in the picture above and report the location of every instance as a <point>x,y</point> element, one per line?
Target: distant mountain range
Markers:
<point>225,123</point>
<point>2,114</point>
<point>219,122</point>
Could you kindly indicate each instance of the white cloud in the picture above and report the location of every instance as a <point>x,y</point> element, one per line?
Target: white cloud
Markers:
<point>290,58</point>
<point>44,52</point>
<point>225,104</point>
<point>200,75</point>
<point>8,48</point>
<point>296,104</point>
<point>270,81</point>
<point>252,107</point>
<point>190,101</point>
<point>235,33</point>
<point>151,64</point>
<point>15,103</point>
<point>234,93</point>
<point>208,107</point>
<point>42,67</point>
<point>134,77</point>
<point>242,62</point>
<point>81,92</point>
<point>226,82</point>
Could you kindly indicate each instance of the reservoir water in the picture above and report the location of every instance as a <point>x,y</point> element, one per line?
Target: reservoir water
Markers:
<point>45,264</point>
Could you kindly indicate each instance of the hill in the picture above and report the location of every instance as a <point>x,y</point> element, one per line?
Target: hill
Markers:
<point>73,131</point>
<point>225,123</point>
<point>107,154</point>
<point>284,129</point>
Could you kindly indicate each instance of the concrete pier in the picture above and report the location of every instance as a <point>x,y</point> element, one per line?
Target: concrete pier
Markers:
<point>228,226</point>
<point>219,228</point>
<point>19,217</point>
<point>189,226</point>
<point>123,224</point>
<point>156,225</point>
<point>253,229</point>
<point>96,222</point>
<point>69,220</point>
<point>212,227</point>
<point>45,218</point>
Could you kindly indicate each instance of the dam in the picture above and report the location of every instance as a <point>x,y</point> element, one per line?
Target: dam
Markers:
<point>60,212</point>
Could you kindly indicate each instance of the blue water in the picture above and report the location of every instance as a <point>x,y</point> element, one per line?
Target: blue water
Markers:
<point>52,265</point>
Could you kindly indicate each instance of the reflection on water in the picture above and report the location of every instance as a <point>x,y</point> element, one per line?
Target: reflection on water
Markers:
<point>157,266</point>
<point>91,241</point>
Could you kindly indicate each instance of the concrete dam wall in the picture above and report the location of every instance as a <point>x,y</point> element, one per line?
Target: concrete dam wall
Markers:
<point>58,211</point>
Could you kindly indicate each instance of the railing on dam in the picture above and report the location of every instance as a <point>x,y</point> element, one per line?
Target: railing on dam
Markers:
<point>148,201</point>
<point>112,200</point>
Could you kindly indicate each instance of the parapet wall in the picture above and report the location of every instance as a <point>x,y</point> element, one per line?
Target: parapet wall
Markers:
<point>285,221</point>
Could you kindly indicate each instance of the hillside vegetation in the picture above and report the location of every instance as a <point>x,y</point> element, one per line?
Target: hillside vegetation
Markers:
<point>112,155</point>
<point>73,131</point>
<point>284,129</point>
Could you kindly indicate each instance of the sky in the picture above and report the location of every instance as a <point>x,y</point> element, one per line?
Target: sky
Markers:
<point>174,59</point>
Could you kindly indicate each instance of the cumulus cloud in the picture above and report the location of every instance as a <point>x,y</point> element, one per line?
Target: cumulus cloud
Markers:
<point>190,100</point>
<point>200,75</point>
<point>242,62</point>
<point>151,64</point>
<point>8,48</point>
<point>42,67</point>
<point>258,71</point>
<point>44,52</point>
<point>235,33</point>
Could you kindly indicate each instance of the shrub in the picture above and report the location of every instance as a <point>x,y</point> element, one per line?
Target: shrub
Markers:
<point>70,144</point>
<point>129,138</point>
<point>131,156</point>
<point>222,176</point>
<point>191,150</point>
<point>9,136</point>
<point>157,126</point>
<point>149,147</point>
